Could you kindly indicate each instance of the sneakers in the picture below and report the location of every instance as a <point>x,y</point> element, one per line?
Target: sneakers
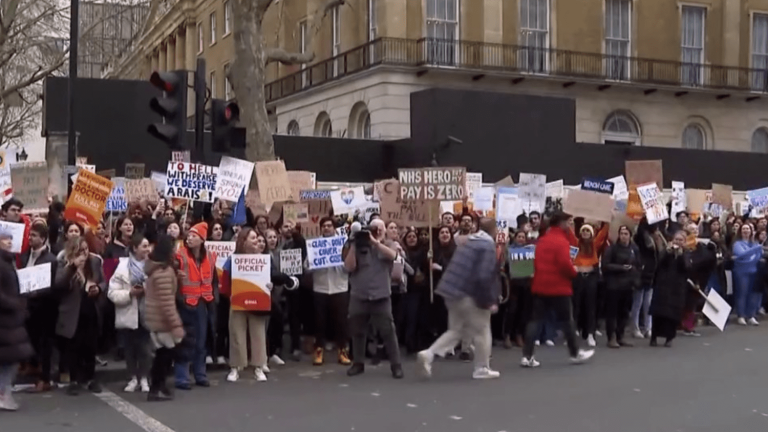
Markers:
<point>259,374</point>
<point>233,375</point>
<point>741,322</point>
<point>208,360</point>
<point>296,355</point>
<point>582,356</point>
<point>549,343</point>
<point>613,344</point>
<point>485,373</point>
<point>598,333</point>
<point>753,322</point>
<point>266,370</point>
<point>591,340</point>
<point>529,362</point>
<point>221,360</point>
<point>537,343</point>
<point>425,359</point>
<point>317,358</point>
<point>275,359</point>
<point>132,385</point>
<point>638,334</point>
<point>343,357</point>
<point>144,384</point>
<point>7,402</point>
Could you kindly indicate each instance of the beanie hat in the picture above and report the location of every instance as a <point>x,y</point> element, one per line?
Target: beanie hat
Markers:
<point>201,229</point>
<point>587,227</point>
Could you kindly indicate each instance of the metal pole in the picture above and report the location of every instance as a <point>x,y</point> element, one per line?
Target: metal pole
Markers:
<point>198,153</point>
<point>74,30</point>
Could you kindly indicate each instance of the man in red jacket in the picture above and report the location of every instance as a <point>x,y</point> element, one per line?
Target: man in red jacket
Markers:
<point>552,290</point>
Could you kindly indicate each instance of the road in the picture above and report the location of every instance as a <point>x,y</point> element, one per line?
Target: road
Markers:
<point>713,383</point>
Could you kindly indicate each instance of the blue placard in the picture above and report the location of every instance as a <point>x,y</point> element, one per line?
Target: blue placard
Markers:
<point>574,251</point>
<point>312,195</point>
<point>596,185</point>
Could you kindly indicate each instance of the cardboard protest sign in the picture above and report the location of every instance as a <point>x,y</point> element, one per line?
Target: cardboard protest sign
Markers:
<point>432,184</point>
<point>88,199</point>
<point>620,219</point>
<point>589,205</point>
<point>17,232</point>
<point>474,181</point>
<point>30,185</point>
<point>222,250</point>
<point>234,175</point>
<point>405,213</point>
<point>644,172</point>
<point>721,195</point>
<point>521,261</point>
<point>251,275</point>
<point>180,156</point>
<point>348,200</point>
<point>595,185</point>
<point>141,189</point>
<point>134,171</point>
<point>532,191</point>
<point>653,204</point>
<point>318,206</point>
<point>110,173</point>
<point>697,199</point>
<point>191,181</point>
<point>116,201</point>
<point>299,181</point>
<point>34,278</point>
<point>296,213</point>
<point>273,182</point>
<point>291,262</point>
<point>325,252</point>
<point>253,202</point>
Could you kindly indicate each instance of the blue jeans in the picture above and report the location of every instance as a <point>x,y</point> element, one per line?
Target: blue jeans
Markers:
<point>747,297</point>
<point>192,348</point>
<point>7,374</point>
<point>641,299</point>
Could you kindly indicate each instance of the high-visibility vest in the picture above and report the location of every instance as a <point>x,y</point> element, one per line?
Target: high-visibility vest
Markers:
<point>198,280</point>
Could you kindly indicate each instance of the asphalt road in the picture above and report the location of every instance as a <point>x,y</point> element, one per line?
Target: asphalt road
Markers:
<point>713,383</point>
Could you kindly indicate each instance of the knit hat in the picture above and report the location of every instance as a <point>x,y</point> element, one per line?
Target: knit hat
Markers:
<point>201,229</point>
<point>587,227</point>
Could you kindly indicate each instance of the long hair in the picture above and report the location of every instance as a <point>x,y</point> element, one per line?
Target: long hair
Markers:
<point>587,245</point>
<point>74,247</point>
<point>242,237</point>
<point>117,235</point>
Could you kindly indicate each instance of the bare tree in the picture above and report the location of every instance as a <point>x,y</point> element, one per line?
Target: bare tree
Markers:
<point>247,74</point>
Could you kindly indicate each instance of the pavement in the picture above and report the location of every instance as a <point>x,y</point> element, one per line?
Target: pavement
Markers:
<point>712,383</point>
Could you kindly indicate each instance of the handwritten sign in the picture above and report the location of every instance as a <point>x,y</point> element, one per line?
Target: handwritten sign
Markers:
<point>290,261</point>
<point>650,197</point>
<point>413,213</point>
<point>620,191</point>
<point>141,189</point>
<point>348,200</point>
<point>678,199</point>
<point>589,205</point>
<point>596,185</point>
<point>296,213</point>
<point>273,182</point>
<point>30,185</point>
<point>721,195</point>
<point>325,252</point>
<point>532,191</point>
<point>116,201</point>
<point>474,181</point>
<point>134,171</point>
<point>34,278</point>
<point>181,156</point>
<point>191,181</point>
<point>432,184</point>
<point>301,180</point>
<point>234,175</point>
<point>251,275</point>
<point>521,261</point>
<point>88,199</point>
<point>318,206</point>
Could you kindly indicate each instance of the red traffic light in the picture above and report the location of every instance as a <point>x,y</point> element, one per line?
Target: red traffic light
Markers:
<point>166,81</point>
<point>232,112</point>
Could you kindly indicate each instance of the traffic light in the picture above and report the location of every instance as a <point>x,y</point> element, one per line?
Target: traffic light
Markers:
<point>224,117</point>
<point>172,106</point>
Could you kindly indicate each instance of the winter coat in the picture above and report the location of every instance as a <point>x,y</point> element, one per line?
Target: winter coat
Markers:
<point>72,291</point>
<point>614,259</point>
<point>670,290</point>
<point>649,257</point>
<point>473,272</point>
<point>161,314</point>
<point>14,341</point>
<point>553,269</point>
<point>126,307</point>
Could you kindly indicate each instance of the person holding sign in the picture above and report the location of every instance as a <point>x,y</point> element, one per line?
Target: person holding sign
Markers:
<point>669,293</point>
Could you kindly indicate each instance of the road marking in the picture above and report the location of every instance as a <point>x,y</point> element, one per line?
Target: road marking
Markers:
<point>132,413</point>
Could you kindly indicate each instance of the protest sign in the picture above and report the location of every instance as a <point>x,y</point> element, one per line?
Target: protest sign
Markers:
<point>474,181</point>
<point>141,189</point>
<point>697,199</point>
<point>253,202</point>
<point>532,191</point>
<point>721,195</point>
<point>573,251</point>
<point>484,199</point>
<point>159,179</point>
<point>251,275</point>
<point>508,206</point>
<point>191,181</point>
<point>30,185</point>
<point>405,213</point>
<point>134,171</point>
<point>717,309</point>
<point>758,198</point>
<point>116,201</point>
<point>620,219</point>
<point>234,175</point>
<point>432,184</point>
<point>319,206</point>
<point>505,182</point>
<point>181,156</point>
<point>88,199</point>
<point>17,232</point>
<point>290,262</point>
<point>109,173</point>
<point>554,189</point>
<point>348,200</point>
<point>81,160</point>
<point>596,185</point>
<point>325,252</point>
<point>521,261</point>
<point>589,205</point>
<point>299,181</point>
<point>273,182</point>
<point>222,250</point>
<point>653,204</point>
<point>34,278</point>
<point>678,199</point>
<point>620,191</point>
<point>296,213</point>
<point>5,176</point>
<point>644,172</point>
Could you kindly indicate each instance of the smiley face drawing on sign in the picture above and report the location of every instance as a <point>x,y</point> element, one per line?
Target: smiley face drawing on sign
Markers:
<point>348,196</point>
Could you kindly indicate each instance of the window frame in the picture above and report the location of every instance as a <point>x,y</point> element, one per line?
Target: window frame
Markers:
<point>227,18</point>
<point>540,61</point>
<point>212,23</point>
<point>212,83</point>
<point>229,91</point>
<point>200,38</point>
<point>759,81</point>
<point>290,128</point>
<point>752,148</point>
<point>701,129</point>
<point>691,73</point>
<point>610,137</point>
<point>443,51</point>
<point>622,60</point>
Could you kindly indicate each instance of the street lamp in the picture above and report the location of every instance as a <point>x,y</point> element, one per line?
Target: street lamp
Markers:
<point>22,157</point>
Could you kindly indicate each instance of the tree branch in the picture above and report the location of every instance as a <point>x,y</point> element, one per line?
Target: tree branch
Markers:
<point>154,5</point>
<point>288,58</point>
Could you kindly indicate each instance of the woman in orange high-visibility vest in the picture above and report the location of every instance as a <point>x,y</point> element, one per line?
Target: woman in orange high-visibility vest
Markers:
<point>199,290</point>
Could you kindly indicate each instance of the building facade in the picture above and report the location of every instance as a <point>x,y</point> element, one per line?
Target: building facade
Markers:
<point>689,73</point>
<point>108,29</point>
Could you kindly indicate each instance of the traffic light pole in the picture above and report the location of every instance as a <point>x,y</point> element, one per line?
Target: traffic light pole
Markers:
<point>198,150</point>
<point>73,39</point>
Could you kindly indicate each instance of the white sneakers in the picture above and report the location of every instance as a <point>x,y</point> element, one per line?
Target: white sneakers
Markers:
<point>753,322</point>
<point>208,360</point>
<point>7,403</point>
<point>276,360</point>
<point>135,384</point>
<point>591,340</point>
<point>485,373</point>
<point>529,362</point>
<point>144,384</point>
<point>259,374</point>
<point>582,356</point>
<point>265,369</point>
<point>549,343</point>
<point>638,334</point>
<point>221,361</point>
<point>425,359</point>
<point>233,375</point>
<point>741,321</point>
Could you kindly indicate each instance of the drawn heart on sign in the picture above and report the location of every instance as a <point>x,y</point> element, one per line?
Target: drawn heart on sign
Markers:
<point>347,196</point>
<point>315,219</point>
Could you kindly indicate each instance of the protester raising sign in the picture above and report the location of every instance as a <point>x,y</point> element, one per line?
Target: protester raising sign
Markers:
<point>319,206</point>
<point>134,171</point>
<point>521,261</point>
<point>250,283</point>
<point>404,213</point>
<point>650,197</point>
<point>34,278</point>
<point>116,201</point>
<point>348,200</point>
<point>274,185</point>
<point>30,185</point>
<point>589,205</point>
<point>191,181</point>
<point>290,261</point>
<point>88,198</point>
<point>325,252</point>
<point>234,175</point>
<point>140,189</point>
<point>432,184</point>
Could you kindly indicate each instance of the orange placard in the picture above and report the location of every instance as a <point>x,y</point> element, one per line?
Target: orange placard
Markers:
<point>634,204</point>
<point>88,199</point>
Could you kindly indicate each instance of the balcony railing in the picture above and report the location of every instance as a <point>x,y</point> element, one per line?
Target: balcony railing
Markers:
<point>522,61</point>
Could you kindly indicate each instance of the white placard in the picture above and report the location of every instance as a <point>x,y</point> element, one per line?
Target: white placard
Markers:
<point>325,252</point>
<point>234,175</point>
<point>532,190</point>
<point>474,181</point>
<point>290,262</point>
<point>484,199</point>
<point>620,191</point>
<point>717,309</point>
<point>34,278</point>
<point>679,200</point>
<point>650,196</point>
<point>17,231</point>
<point>554,189</point>
<point>347,200</point>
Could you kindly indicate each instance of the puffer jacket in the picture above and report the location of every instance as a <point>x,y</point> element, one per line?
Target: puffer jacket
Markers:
<point>553,267</point>
<point>473,272</point>
<point>126,307</point>
<point>160,298</point>
<point>614,259</point>
<point>14,341</point>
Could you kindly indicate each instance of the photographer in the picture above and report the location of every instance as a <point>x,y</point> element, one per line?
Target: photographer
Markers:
<point>369,261</point>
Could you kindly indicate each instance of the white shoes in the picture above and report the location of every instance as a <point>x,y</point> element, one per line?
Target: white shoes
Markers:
<point>591,341</point>
<point>221,361</point>
<point>582,356</point>
<point>259,374</point>
<point>537,343</point>
<point>233,375</point>
<point>741,322</point>
<point>753,322</point>
<point>276,360</point>
<point>638,334</point>
<point>529,362</point>
<point>549,343</point>
<point>208,360</point>
<point>7,403</point>
<point>425,359</point>
<point>485,373</point>
<point>598,333</point>
<point>133,384</point>
<point>144,384</point>
<point>265,369</point>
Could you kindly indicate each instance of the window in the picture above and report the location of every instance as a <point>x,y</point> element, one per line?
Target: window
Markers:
<point>200,38</point>
<point>442,31</point>
<point>760,141</point>
<point>212,83</point>
<point>760,52</point>
<point>359,121</point>
<point>229,94</point>
<point>618,16</point>
<point>323,125</point>
<point>694,137</point>
<point>303,47</point>
<point>213,28</point>
<point>692,42</point>
<point>366,126</point>
<point>227,18</point>
<point>534,35</point>
<point>293,128</point>
<point>621,128</point>
<point>336,37</point>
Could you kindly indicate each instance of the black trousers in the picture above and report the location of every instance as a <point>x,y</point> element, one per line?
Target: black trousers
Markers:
<point>41,327</point>
<point>217,344</point>
<point>562,307</point>
<point>275,328</point>
<point>299,305</point>
<point>664,327</point>
<point>162,367</point>
<point>618,304</point>
<point>331,313</point>
<point>79,352</point>
<point>519,308</point>
<point>585,302</point>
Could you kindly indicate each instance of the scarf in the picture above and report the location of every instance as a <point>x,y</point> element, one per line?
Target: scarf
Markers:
<point>136,271</point>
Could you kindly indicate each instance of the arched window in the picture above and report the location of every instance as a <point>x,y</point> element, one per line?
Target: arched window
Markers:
<point>760,141</point>
<point>360,121</point>
<point>293,128</point>
<point>694,137</point>
<point>621,128</point>
<point>367,126</point>
<point>323,125</point>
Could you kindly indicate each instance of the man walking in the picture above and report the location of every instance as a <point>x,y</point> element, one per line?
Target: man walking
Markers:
<point>471,288</point>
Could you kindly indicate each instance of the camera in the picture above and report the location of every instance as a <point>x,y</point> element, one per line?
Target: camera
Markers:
<point>362,239</point>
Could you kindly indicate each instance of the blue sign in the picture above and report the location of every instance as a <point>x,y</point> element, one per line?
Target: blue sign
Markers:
<point>574,251</point>
<point>596,185</point>
<point>312,195</point>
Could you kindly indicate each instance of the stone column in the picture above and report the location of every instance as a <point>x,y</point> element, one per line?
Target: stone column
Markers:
<point>162,64</point>
<point>153,61</point>
<point>180,41</point>
<point>170,53</point>
<point>191,44</point>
